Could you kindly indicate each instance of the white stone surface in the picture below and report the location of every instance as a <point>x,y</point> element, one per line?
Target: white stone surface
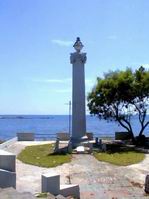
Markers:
<point>3,152</point>
<point>80,149</point>
<point>7,161</point>
<point>78,95</point>
<point>6,144</point>
<point>50,183</point>
<point>7,179</point>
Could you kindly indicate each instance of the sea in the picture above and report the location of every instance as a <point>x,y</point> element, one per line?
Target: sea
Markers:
<point>46,126</point>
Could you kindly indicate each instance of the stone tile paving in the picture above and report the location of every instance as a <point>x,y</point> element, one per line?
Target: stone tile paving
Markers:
<point>10,193</point>
<point>100,180</point>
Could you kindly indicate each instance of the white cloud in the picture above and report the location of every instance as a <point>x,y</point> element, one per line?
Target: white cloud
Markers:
<point>59,81</point>
<point>88,82</point>
<point>62,42</point>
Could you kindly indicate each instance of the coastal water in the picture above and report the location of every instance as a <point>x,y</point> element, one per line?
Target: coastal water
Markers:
<point>52,124</point>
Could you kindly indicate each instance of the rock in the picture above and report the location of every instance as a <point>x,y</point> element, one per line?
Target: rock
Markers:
<point>50,196</point>
<point>60,197</point>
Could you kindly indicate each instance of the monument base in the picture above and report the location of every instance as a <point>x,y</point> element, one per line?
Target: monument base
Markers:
<point>80,145</point>
<point>78,141</point>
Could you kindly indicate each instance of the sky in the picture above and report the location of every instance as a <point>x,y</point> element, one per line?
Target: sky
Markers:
<point>36,39</point>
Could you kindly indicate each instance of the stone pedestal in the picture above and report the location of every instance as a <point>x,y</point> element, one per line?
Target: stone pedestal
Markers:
<point>50,183</point>
<point>7,169</point>
<point>7,179</point>
<point>78,95</point>
<point>7,161</point>
<point>25,136</point>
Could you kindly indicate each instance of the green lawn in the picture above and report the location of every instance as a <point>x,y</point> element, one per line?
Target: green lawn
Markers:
<point>42,155</point>
<point>121,158</point>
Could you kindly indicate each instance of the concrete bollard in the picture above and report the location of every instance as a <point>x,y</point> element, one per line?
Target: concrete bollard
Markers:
<point>70,147</point>
<point>96,140</point>
<point>56,148</point>
<point>100,142</point>
<point>147,184</point>
<point>104,147</point>
<point>90,145</point>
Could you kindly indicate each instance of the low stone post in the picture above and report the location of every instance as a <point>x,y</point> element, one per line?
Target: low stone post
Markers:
<point>56,146</point>
<point>96,140</point>
<point>70,147</point>
<point>90,145</point>
<point>147,184</point>
<point>104,147</point>
<point>100,142</point>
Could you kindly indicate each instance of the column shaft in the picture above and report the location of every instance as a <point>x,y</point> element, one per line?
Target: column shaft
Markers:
<point>78,98</point>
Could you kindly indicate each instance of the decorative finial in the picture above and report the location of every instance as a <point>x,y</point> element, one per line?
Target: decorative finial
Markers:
<point>78,45</point>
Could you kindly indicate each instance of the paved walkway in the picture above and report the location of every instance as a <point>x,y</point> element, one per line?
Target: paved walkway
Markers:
<point>97,180</point>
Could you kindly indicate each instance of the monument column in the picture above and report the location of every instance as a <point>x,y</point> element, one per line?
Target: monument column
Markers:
<point>78,60</point>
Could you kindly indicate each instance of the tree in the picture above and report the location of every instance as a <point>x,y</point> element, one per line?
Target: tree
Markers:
<point>120,95</point>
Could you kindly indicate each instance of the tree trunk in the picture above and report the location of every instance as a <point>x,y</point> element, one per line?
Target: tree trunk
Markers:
<point>132,137</point>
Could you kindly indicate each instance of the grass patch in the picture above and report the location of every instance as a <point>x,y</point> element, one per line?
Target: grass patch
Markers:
<point>42,156</point>
<point>123,158</point>
<point>42,195</point>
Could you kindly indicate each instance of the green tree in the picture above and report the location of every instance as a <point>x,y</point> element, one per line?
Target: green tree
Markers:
<point>120,95</point>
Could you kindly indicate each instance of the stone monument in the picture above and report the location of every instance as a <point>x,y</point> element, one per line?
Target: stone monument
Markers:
<point>78,60</point>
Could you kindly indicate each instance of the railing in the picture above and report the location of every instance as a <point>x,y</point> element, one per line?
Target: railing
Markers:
<point>53,136</point>
<point>47,136</point>
<point>110,136</point>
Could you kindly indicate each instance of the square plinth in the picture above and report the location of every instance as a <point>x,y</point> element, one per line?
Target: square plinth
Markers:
<point>50,183</point>
<point>7,179</point>
<point>7,161</point>
<point>25,136</point>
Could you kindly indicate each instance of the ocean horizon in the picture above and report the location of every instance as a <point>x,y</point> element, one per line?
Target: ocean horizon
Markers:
<point>46,124</point>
